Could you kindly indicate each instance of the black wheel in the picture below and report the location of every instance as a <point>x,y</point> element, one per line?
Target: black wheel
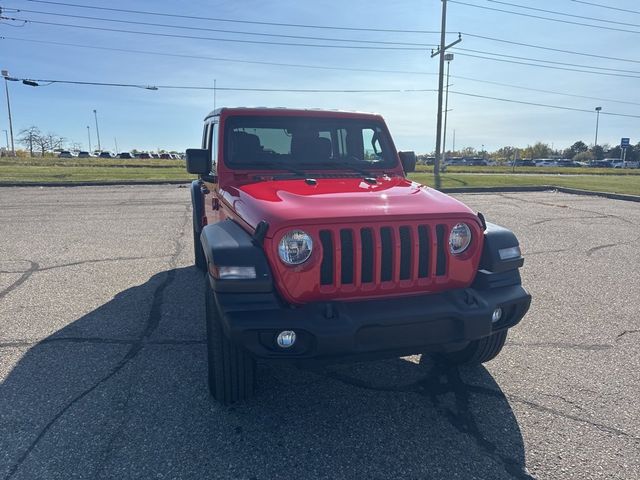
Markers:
<point>231,369</point>
<point>478,351</point>
<point>200,259</point>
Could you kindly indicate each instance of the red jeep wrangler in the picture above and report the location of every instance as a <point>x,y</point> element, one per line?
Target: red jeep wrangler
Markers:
<point>317,247</point>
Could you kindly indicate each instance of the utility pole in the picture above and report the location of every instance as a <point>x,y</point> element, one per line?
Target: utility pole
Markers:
<point>448,57</point>
<point>89,135</point>
<point>115,140</point>
<point>595,144</point>
<point>440,52</point>
<point>5,74</point>
<point>6,136</point>
<point>95,114</point>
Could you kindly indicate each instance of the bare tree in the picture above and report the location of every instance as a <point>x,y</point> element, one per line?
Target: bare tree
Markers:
<point>50,141</point>
<point>29,137</point>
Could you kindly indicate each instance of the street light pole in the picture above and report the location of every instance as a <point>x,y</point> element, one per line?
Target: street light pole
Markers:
<point>89,135</point>
<point>95,114</point>
<point>595,144</point>
<point>5,74</point>
<point>448,57</point>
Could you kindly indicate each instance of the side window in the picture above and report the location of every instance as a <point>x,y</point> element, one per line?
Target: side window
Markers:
<point>214,146</point>
<point>372,148</point>
<point>205,133</point>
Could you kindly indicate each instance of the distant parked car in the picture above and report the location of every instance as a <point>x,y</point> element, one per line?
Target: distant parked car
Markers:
<point>545,162</point>
<point>143,156</point>
<point>165,156</point>
<point>124,155</point>
<point>475,162</point>
<point>522,163</point>
<point>567,163</point>
<point>601,164</point>
<point>84,155</point>
<point>65,154</point>
<point>105,155</point>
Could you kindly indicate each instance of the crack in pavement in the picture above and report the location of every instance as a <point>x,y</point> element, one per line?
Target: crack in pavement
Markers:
<point>23,278</point>
<point>99,341</point>
<point>562,345</point>
<point>538,202</point>
<point>151,324</point>
<point>155,317</point>
<point>626,332</point>
<point>35,268</point>
<point>444,380</point>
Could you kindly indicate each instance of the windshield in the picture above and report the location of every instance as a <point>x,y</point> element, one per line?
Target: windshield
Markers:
<point>299,142</point>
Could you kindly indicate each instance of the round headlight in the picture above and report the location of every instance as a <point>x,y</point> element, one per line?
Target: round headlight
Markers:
<point>459,238</point>
<point>295,247</point>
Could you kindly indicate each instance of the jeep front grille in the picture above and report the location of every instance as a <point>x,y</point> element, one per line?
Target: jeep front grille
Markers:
<point>363,258</point>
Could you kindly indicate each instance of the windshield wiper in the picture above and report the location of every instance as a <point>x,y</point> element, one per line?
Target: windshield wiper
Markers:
<point>344,166</point>
<point>283,166</point>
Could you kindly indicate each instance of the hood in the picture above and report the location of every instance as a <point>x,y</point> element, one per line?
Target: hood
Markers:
<point>293,202</point>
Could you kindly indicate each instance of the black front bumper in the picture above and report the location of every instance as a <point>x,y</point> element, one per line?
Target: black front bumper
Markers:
<point>405,325</point>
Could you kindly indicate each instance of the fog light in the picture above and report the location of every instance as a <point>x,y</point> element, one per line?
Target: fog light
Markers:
<point>286,338</point>
<point>497,315</point>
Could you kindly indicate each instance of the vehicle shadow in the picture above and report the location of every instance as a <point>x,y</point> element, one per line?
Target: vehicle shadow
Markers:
<point>121,393</point>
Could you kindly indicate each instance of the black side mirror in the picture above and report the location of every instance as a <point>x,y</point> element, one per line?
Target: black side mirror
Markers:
<point>408,160</point>
<point>198,161</point>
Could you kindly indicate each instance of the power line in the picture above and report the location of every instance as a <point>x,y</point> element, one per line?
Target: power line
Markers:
<point>228,20</point>
<point>609,7</point>
<point>567,22</point>
<point>318,67</point>
<point>557,107</point>
<point>220,59</point>
<point>313,90</point>
<point>240,32</point>
<point>192,37</point>
<point>571,52</point>
<point>547,61</point>
<point>520,87</point>
<point>620,75</point>
<point>550,49</point>
<point>554,12</point>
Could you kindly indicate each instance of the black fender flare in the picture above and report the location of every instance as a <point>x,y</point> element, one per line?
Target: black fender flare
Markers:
<point>498,238</point>
<point>197,202</point>
<point>226,244</point>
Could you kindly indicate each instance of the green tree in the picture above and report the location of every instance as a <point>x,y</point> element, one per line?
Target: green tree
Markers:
<point>576,148</point>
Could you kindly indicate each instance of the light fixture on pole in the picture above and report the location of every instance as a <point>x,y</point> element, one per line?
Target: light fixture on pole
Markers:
<point>95,114</point>
<point>447,58</point>
<point>597,122</point>
<point>5,75</point>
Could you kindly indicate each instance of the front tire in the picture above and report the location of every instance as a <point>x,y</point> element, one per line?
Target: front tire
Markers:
<point>231,368</point>
<point>478,351</point>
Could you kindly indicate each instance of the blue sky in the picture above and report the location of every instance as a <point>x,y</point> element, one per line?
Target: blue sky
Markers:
<point>171,119</point>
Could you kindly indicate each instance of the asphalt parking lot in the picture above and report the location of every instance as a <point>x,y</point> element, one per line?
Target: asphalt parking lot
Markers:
<point>102,358</point>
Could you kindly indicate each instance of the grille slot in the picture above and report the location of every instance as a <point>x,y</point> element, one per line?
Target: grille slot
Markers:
<point>346,256</point>
<point>326,267</point>
<point>441,261</point>
<point>423,251</point>
<point>405,253</point>
<point>366,239</point>
<point>386,262</point>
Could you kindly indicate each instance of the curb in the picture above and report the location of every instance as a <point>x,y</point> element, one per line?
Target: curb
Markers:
<point>515,189</point>
<point>545,188</point>
<point>94,184</point>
